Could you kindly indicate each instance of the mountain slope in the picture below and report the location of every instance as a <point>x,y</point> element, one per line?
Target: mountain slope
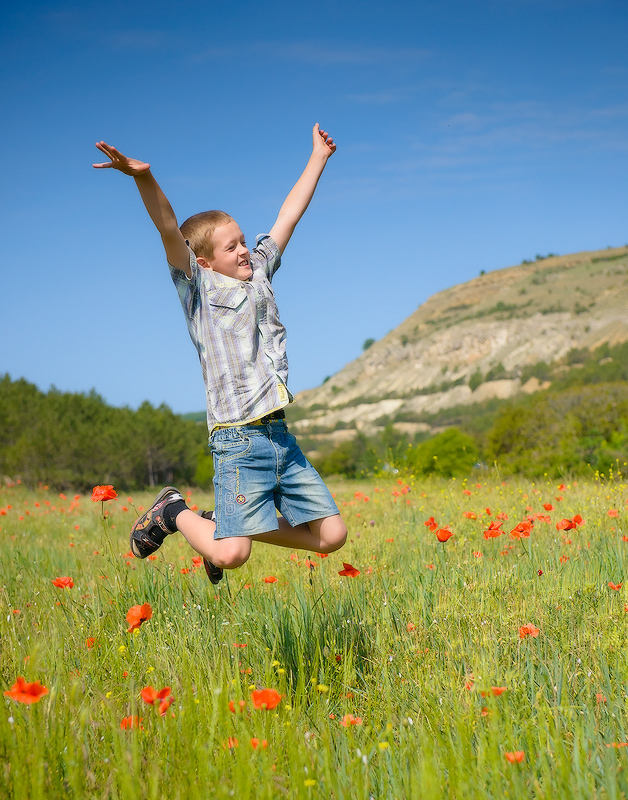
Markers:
<point>473,342</point>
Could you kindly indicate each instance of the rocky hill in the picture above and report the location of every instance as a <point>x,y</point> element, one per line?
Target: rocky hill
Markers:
<point>473,342</point>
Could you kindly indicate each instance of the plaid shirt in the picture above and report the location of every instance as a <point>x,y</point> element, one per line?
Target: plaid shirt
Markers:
<point>240,341</point>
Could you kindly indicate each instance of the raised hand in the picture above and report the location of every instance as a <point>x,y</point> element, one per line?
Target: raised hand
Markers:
<point>322,142</point>
<point>129,166</point>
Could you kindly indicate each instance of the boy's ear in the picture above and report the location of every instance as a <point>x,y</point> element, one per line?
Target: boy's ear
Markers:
<point>203,262</point>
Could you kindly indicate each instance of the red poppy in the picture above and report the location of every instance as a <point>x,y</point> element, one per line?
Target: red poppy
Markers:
<point>270,579</point>
<point>497,690</point>
<point>522,530</point>
<point>613,512</point>
<point>131,722</point>
<point>569,524</point>
<point>241,706</point>
<point>548,506</point>
<point>516,757</point>
<point>165,705</point>
<point>150,695</point>
<point>528,630</point>
<point>265,698</point>
<point>323,555</point>
<point>348,570</point>
<point>103,493</point>
<point>443,534</point>
<point>90,642</point>
<point>63,583</point>
<point>23,692</point>
<point>615,586</point>
<point>138,614</point>
<point>493,530</point>
<point>469,514</point>
<point>618,744</point>
<point>600,698</point>
<point>431,524</point>
<point>349,720</point>
<point>231,743</point>
<point>255,743</point>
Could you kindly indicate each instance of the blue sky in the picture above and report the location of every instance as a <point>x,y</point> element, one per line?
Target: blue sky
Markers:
<point>471,134</point>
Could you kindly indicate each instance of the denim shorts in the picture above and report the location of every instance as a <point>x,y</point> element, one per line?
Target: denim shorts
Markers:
<point>260,468</point>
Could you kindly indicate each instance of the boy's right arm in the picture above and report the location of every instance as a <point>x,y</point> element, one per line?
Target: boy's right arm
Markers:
<point>157,205</point>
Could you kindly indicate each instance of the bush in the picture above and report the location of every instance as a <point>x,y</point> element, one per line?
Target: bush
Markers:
<point>447,454</point>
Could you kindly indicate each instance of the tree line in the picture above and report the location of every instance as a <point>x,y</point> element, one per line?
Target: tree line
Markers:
<point>72,440</point>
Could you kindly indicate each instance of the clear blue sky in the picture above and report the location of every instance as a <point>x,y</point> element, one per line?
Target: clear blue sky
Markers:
<point>471,134</point>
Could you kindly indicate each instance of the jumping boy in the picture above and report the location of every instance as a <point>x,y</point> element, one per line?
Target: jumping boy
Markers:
<point>233,321</point>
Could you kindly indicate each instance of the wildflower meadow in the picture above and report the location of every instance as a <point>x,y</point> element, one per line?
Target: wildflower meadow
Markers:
<point>469,640</point>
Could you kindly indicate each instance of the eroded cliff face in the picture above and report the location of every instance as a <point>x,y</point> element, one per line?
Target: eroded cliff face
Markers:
<point>472,342</point>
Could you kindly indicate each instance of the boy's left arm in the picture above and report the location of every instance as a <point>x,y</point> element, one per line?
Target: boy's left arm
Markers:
<point>298,199</point>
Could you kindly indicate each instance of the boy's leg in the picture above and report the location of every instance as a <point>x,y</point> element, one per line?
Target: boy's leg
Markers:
<point>319,536</point>
<point>324,535</point>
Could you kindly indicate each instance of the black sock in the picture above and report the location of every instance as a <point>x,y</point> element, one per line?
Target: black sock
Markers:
<point>171,511</point>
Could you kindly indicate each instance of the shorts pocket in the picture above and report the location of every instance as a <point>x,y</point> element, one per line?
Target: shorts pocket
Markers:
<point>226,449</point>
<point>229,308</point>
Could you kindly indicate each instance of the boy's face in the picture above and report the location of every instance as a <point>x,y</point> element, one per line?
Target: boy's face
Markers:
<point>231,255</point>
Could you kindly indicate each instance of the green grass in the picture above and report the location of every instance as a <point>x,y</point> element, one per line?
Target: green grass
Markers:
<point>409,646</point>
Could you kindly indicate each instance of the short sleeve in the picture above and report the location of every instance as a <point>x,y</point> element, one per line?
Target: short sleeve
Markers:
<point>265,255</point>
<point>188,289</point>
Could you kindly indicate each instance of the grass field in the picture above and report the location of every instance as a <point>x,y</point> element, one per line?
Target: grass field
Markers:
<point>474,667</point>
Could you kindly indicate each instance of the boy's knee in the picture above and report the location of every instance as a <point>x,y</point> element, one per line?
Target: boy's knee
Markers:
<point>233,553</point>
<point>333,534</point>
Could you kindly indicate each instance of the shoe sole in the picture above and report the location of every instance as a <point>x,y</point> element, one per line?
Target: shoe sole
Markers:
<point>164,493</point>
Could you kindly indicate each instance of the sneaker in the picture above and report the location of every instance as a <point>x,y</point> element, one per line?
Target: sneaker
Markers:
<point>150,530</point>
<point>214,573</point>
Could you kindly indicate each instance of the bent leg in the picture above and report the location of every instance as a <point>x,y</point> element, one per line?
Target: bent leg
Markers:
<point>228,553</point>
<point>325,535</point>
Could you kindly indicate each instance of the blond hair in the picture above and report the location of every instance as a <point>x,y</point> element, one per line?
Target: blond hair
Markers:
<point>198,231</point>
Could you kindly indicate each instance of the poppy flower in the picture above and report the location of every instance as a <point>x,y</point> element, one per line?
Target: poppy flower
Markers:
<point>613,512</point>
<point>165,705</point>
<point>138,614</point>
<point>255,743</point>
<point>231,743</point>
<point>270,579</point>
<point>131,722</point>
<point>265,698</point>
<point>548,506</point>
<point>569,524</point>
<point>443,534</point>
<point>493,530</point>
<point>528,630</point>
<point>90,642</point>
<point>28,693</point>
<point>348,570</point>
<point>600,698</point>
<point>103,493</point>
<point>469,514</point>
<point>349,720</point>
<point>615,586</point>
<point>241,706</point>
<point>150,695</point>
<point>431,524</point>
<point>516,757</point>
<point>522,530</point>
<point>63,583</point>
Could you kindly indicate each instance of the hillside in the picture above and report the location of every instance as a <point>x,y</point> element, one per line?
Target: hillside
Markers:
<point>471,343</point>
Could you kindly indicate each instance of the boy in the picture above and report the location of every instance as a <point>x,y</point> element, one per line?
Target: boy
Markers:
<point>233,321</point>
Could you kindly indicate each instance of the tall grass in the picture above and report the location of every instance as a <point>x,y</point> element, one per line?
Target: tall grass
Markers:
<point>411,648</point>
